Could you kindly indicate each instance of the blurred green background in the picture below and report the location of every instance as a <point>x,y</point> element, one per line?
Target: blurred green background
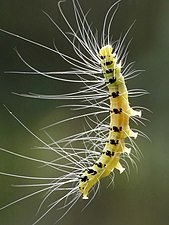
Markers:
<point>144,199</point>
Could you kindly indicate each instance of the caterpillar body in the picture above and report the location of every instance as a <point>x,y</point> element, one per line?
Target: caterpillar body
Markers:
<point>100,69</point>
<point>120,112</point>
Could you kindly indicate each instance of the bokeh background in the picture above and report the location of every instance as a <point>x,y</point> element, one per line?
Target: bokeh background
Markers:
<point>144,198</point>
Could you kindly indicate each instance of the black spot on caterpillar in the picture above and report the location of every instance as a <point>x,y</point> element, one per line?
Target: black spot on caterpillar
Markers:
<point>116,111</point>
<point>109,71</point>
<point>116,129</point>
<point>102,57</point>
<point>112,80</point>
<point>114,142</point>
<point>83,178</point>
<point>91,171</point>
<point>99,164</point>
<point>107,64</point>
<point>114,94</point>
<point>108,153</point>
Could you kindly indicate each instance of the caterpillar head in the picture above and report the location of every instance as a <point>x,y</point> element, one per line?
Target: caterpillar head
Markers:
<point>106,51</point>
<point>111,69</point>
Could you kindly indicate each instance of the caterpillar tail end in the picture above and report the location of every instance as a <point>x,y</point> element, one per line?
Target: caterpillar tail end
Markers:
<point>84,193</point>
<point>85,186</point>
<point>85,196</point>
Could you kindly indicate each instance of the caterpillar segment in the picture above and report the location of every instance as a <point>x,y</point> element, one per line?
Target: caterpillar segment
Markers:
<point>120,113</point>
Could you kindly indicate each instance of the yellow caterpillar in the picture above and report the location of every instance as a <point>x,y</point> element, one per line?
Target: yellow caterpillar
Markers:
<point>120,112</point>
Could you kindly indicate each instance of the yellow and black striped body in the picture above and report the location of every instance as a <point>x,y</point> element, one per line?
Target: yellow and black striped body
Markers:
<point>120,113</point>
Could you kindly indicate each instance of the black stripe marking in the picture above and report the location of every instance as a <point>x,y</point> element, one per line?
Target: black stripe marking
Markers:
<point>84,179</point>
<point>115,94</point>
<point>91,171</point>
<point>116,111</point>
<point>112,80</point>
<point>109,71</point>
<point>108,153</point>
<point>99,164</point>
<point>116,129</point>
<point>113,142</point>
<point>108,63</point>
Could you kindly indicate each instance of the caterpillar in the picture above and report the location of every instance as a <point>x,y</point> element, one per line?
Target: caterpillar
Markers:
<point>120,112</point>
<point>83,159</point>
